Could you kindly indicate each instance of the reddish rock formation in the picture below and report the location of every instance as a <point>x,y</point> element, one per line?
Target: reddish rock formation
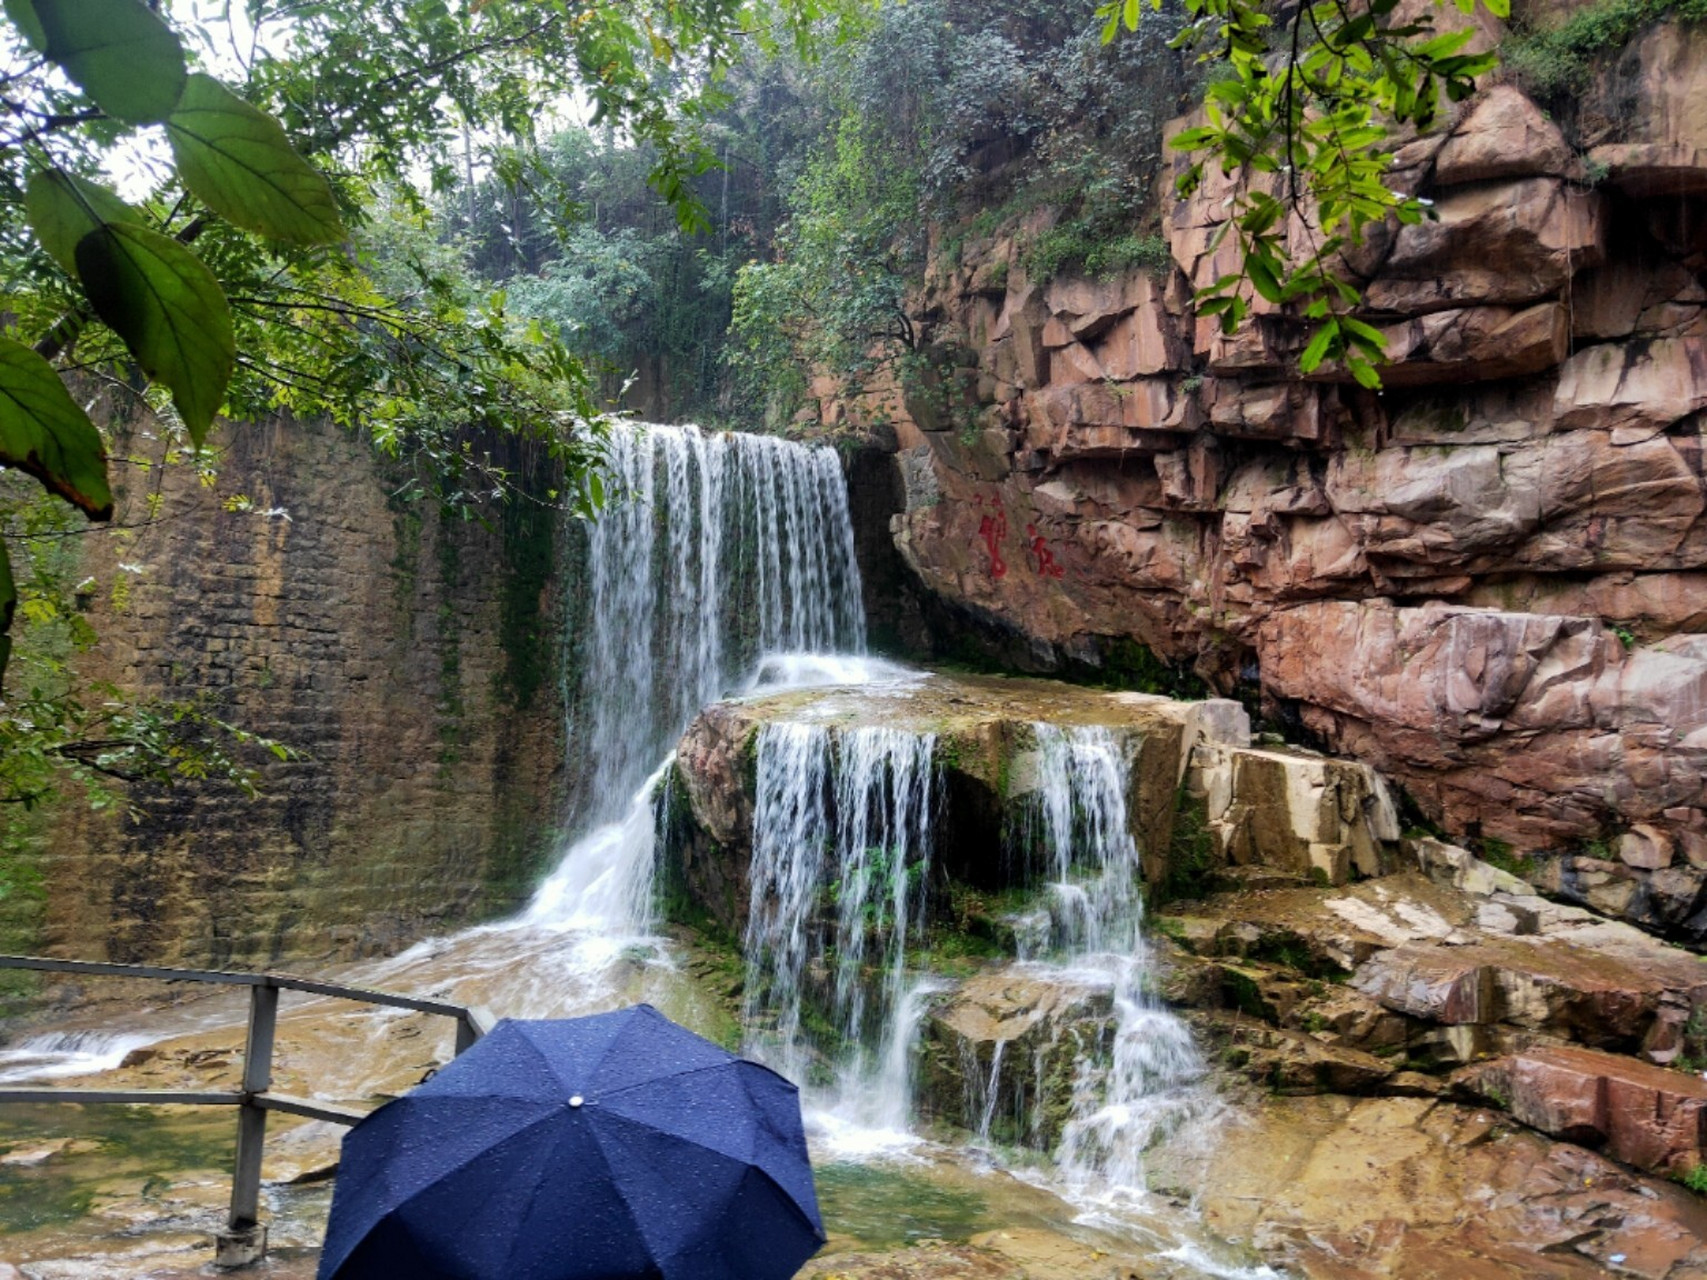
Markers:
<point>1643,1115</point>
<point>1489,579</point>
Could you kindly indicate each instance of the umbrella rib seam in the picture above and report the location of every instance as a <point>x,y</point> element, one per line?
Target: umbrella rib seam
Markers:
<point>633,1217</point>
<point>674,1075</point>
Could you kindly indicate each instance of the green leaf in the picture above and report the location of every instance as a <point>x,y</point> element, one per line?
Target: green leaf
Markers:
<point>1365,373</point>
<point>116,51</point>
<point>43,432</point>
<point>1368,333</point>
<point>168,308</point>
<point>62,209</point>
<point>1263,278</point>
<point>237,159</point>
<point>1313,355</point>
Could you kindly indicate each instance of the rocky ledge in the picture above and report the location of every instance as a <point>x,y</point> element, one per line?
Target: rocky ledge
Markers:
<point>1489,579</point>
<point>1270,811</point>
<point>1406,1030</point>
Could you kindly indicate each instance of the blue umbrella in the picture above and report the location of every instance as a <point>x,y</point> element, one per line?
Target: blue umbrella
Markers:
<point>615,1147</point>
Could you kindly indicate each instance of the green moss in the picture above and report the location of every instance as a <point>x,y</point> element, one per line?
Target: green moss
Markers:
<point>677,903</point>
<point>406,561</point>
<point>452,732</point>
<point>1695,1179</point>
<point>1288,951</point>
<point>23,900</point>
<point>1083,245</point>
<point>524,633</point>
<point>1169,927</point>
<point>1129,666</point>
<point>1242,992</point>
<point>1192,865</point>
<point>1499,854</point>
<point>1559,59</point>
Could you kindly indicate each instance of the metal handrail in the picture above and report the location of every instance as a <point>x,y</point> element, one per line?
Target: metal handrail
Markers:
<point>244,1240</point>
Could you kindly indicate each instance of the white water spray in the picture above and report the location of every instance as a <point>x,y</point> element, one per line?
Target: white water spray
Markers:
<point>842,842</point>
<point>714,552</point>
<point>1142,1089</point>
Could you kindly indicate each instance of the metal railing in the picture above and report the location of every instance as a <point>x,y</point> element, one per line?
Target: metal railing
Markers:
<point>244,1240</point>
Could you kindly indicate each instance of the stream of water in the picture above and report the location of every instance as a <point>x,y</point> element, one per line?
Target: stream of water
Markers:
<point>725,565</point>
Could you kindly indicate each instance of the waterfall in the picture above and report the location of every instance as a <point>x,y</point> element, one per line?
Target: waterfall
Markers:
<point>841,857</point>
<point>1141,1086</point>
<point>712,552</point>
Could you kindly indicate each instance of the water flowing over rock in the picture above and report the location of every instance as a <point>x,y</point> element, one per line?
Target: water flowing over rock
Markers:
<point>1069,1047</point>
<point>848,816</point>
<point>1121,1106</point>
<point>713,551</point>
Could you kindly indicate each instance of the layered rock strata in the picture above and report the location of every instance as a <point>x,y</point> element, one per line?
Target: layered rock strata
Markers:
<point>1489,579</point>
<point>402,656</point>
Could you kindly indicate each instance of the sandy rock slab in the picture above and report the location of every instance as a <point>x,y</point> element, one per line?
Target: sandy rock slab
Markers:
<point>1413,1189</point>
<point>1015,1253</point>
<point>921,1262</point>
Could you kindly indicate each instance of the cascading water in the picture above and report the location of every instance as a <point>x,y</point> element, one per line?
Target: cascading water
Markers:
<point>841,855</point>
<point>714,551</point>
<point>717,556</point>
<point>1141,1088</point>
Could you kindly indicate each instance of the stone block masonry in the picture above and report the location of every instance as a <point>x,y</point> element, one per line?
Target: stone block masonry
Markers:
<point>365,632</point>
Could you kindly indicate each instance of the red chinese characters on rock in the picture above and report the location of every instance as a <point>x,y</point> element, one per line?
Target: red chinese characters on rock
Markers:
<point>1045,562</point>
<point>993,532</point>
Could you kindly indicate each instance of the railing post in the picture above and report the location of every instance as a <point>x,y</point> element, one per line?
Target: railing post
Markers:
<point>473,1023</point>
<point>244,1241</point>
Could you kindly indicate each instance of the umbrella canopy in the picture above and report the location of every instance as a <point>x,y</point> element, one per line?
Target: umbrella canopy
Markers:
<point>615,1147</point>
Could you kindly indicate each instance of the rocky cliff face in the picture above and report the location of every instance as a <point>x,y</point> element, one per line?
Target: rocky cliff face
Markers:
<point>398,651</point>
<point>1489,580</point>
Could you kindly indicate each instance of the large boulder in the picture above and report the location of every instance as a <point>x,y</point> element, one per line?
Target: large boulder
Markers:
<point>1527,727</point>
<point>985,753</point>
<point>1643,1115</point>
<point>1000,1052</point>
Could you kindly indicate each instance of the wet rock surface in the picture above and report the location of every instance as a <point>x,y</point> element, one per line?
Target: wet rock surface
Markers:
<point>1487,580</point>
<point>985,748</point>
<point>374,642</point>
<point>1414,1016</point>
<point>1338,1189</point>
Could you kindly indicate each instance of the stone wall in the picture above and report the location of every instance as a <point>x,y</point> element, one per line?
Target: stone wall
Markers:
<point>385,643</point>
<point>1488,579</point>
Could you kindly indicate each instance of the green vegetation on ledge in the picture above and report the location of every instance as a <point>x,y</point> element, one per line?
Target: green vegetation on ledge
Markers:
<point>1556,59</point>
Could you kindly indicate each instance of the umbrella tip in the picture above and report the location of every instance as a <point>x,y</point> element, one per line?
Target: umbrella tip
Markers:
<point>576,1101</point>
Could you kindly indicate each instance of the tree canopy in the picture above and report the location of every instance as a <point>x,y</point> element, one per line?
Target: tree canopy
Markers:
<point>261,258</point>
